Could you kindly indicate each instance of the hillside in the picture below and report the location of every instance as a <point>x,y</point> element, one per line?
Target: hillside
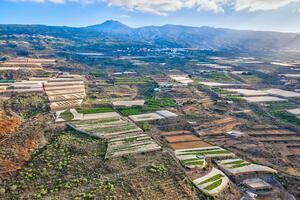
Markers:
<point>168,36</point>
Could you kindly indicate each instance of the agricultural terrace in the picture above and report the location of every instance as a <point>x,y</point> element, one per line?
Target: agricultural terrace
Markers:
<point>248,92</point>
<point>283,93</point>
<point>184,79</point>
<point>128,103</point>
<point>65,91</point>
<point>131,81</point>
<point>94,110</point>
<point>226,94</point>
<point>279,110</point>
<point>213,183</point>
<point>214,76</point>
<point>192,161</point>
<point>105,127</point>
<point>162,114</point>
<point>85,114</point>
<point>150,105</point>
<point>239,166</point>
<point>210,152</point>
<point>131,143</point>
<point>189,145</point>
<point>263,99</point>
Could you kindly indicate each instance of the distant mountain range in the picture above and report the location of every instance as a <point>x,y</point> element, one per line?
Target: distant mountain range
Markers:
<point>171,36</point>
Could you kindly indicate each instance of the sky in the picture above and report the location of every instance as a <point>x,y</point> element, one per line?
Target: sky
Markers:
<point>271,15</point>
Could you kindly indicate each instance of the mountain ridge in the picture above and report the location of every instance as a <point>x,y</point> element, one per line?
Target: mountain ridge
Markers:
<point>170,36</point>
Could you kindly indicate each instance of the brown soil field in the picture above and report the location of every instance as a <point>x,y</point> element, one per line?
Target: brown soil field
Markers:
<point>182,138</point>
<point>275,132</point>
<point>174,133</point>
<point>224,120</point>
<point>278,139</point>
<point>295,151</point>
<point>185,145</point>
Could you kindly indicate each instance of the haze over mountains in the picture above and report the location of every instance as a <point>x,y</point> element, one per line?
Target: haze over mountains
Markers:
<point>171,36</point>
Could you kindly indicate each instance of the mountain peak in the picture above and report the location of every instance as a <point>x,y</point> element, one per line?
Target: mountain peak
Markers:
<point>111,26</point>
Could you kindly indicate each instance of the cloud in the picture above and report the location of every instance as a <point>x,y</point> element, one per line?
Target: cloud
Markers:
<point>256,5</point>
<point>164,7</point>
<point>125,16</point>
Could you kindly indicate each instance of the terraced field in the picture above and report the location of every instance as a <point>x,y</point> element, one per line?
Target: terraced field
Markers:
<point>211,152</point>
<point>106,127</point>
<point>239,166</point>
<point>213,183</point>
<point>130,144</point>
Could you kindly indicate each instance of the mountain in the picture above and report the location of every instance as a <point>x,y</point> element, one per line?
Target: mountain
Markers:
<point>168,36</point>
<point>202,37</point>
<point>111,27</point>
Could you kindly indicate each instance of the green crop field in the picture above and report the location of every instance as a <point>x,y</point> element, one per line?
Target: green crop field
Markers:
<point>213,185</point>
<point>240,165</point>
<point>151,105</point>
<point>67,115</point>
<point>211,179</point>
<point>278,110</point>
<point>94,110</point>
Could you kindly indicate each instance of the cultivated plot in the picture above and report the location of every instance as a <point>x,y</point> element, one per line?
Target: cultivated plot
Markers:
<point>262,99</point>
<point>239,166</point>
<point>213,183</point>
<point>209,152</point>
<point>131,143</point>
<point>106,127</point>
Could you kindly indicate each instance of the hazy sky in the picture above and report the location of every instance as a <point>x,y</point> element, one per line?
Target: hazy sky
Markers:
<point>277,15</point>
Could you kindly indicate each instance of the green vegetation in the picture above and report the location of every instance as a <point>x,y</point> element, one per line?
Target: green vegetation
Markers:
<point>148,90</point>
<point>213,185</point>
<point>67,115</point>
<point>146,126</point>
<point>54,173</point>
<point>160,169</point>
<point>240,165</point>
<point>278,110</point>
<point>97,73</point>
<point>214,76</point>
<point>251,78</point>
<point>28,105</point>
<point>94,110</point>
<point>163,102</point>
<point>196,162</point>
<point>234,162</point>
<point>132,111</point>
<point>211,179</point>
<point>150,106</point>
